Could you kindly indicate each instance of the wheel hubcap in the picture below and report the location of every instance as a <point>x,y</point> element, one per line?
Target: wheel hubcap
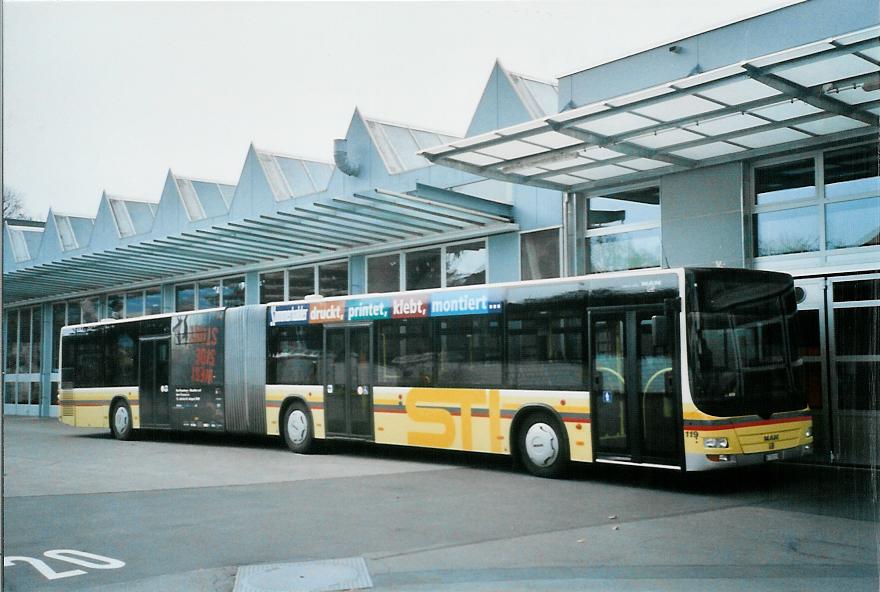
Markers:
<point>542,444</point>
<point>121,419</point>
<point>297,426</point>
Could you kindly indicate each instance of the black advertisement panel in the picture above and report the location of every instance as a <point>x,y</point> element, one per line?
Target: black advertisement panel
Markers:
<point>197,371</point>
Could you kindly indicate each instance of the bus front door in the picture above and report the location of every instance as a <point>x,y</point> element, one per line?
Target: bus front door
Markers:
<point>348,385</point>
<point>635,406</point>
<point>153,391</point>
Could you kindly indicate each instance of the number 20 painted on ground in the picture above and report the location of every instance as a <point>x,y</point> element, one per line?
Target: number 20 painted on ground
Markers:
<point>69,556</point>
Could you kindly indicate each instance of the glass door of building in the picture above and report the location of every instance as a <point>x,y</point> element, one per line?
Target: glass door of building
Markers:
<point>854,363</point>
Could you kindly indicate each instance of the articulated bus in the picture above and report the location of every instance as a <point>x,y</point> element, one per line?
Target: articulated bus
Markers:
<point>688,369</point>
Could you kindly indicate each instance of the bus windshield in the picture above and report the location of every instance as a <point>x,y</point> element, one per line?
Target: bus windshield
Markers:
<point>741,348</point>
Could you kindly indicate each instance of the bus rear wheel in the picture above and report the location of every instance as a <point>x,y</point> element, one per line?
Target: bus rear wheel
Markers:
<point>298,429</point>
<point>543,448</point>
<point>120,421</point>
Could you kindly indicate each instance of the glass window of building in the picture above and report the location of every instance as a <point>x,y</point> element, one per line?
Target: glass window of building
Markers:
<point>466,264</point>
<point>12,341</point>
<point>9,392</point>
<point>383,273</point>
<point>790,181</point>
<point>59,317</point>
<point>851,175</point>
<point>333,279</point>
<point>233,291</point>
<point>623,230</point>
<point>36,339</point>
<point>301,282</point>
<point>209,294</point>
<point>856,359</point>
<point>91,309</point>
<point>796,212</point>
<point>539,254</point>
<point>74,313</point>
<point>153,301</point>
<point>24,341</point>
<point>272,287</point>
<point>36,392</point>
<point>793,230</point>
<point>24,393</point>
<point>134,304</point>
<point>423,269</point>
<point>184,297</point>
<point>116,306</point>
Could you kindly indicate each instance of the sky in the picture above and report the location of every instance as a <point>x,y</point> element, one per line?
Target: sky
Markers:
<point>109,96</point>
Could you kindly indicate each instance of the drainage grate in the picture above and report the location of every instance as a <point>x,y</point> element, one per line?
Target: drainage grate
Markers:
<point>309,576</point>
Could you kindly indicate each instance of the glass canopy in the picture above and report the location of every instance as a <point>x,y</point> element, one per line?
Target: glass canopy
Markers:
<point>366,221</point>
<point>803,96</point>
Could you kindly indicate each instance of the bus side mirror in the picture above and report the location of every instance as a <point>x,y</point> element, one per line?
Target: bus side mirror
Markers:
<point>659,331</point>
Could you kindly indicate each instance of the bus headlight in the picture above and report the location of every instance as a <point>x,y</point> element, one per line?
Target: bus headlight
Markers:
<point>808,433</point>
<point>715,442</point>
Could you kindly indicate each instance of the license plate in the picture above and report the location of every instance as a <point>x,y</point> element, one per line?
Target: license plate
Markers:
<point>772,456</point>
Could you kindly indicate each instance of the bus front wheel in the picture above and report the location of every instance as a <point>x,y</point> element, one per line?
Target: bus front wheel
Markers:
<point>120,421</point>
<point>543,447</point>
<point>298,429</point>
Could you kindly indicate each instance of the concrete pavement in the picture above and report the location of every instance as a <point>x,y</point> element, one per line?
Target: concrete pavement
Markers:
<point>184,511</point>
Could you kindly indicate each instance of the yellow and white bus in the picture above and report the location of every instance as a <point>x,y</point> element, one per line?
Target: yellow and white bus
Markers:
<point>687,369</point>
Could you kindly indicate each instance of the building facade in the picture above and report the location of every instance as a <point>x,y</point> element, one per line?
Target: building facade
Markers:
<point>751,145</point>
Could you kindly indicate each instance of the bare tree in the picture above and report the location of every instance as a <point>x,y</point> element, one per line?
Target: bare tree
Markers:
<point>13,205</point>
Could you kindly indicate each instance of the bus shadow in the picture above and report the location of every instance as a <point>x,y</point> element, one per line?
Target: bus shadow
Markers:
<point>839,491</point>
<point>464,460</point>
<point>350,448</point>
<point>195,438</point>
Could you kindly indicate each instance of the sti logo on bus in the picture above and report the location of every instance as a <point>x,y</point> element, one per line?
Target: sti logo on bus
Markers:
<point>463,303</point>
<point>290,314</point>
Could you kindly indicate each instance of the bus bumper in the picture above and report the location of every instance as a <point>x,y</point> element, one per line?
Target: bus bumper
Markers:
<point>708,462</point>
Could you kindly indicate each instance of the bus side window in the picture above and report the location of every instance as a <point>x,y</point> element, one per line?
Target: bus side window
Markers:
<point>470,352</point>
<point>545,348</point>
<point>68,356</point>
<point>120,355</point>
<point>404,353</point>
<point>294,355</point>
<point>88,360</point>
